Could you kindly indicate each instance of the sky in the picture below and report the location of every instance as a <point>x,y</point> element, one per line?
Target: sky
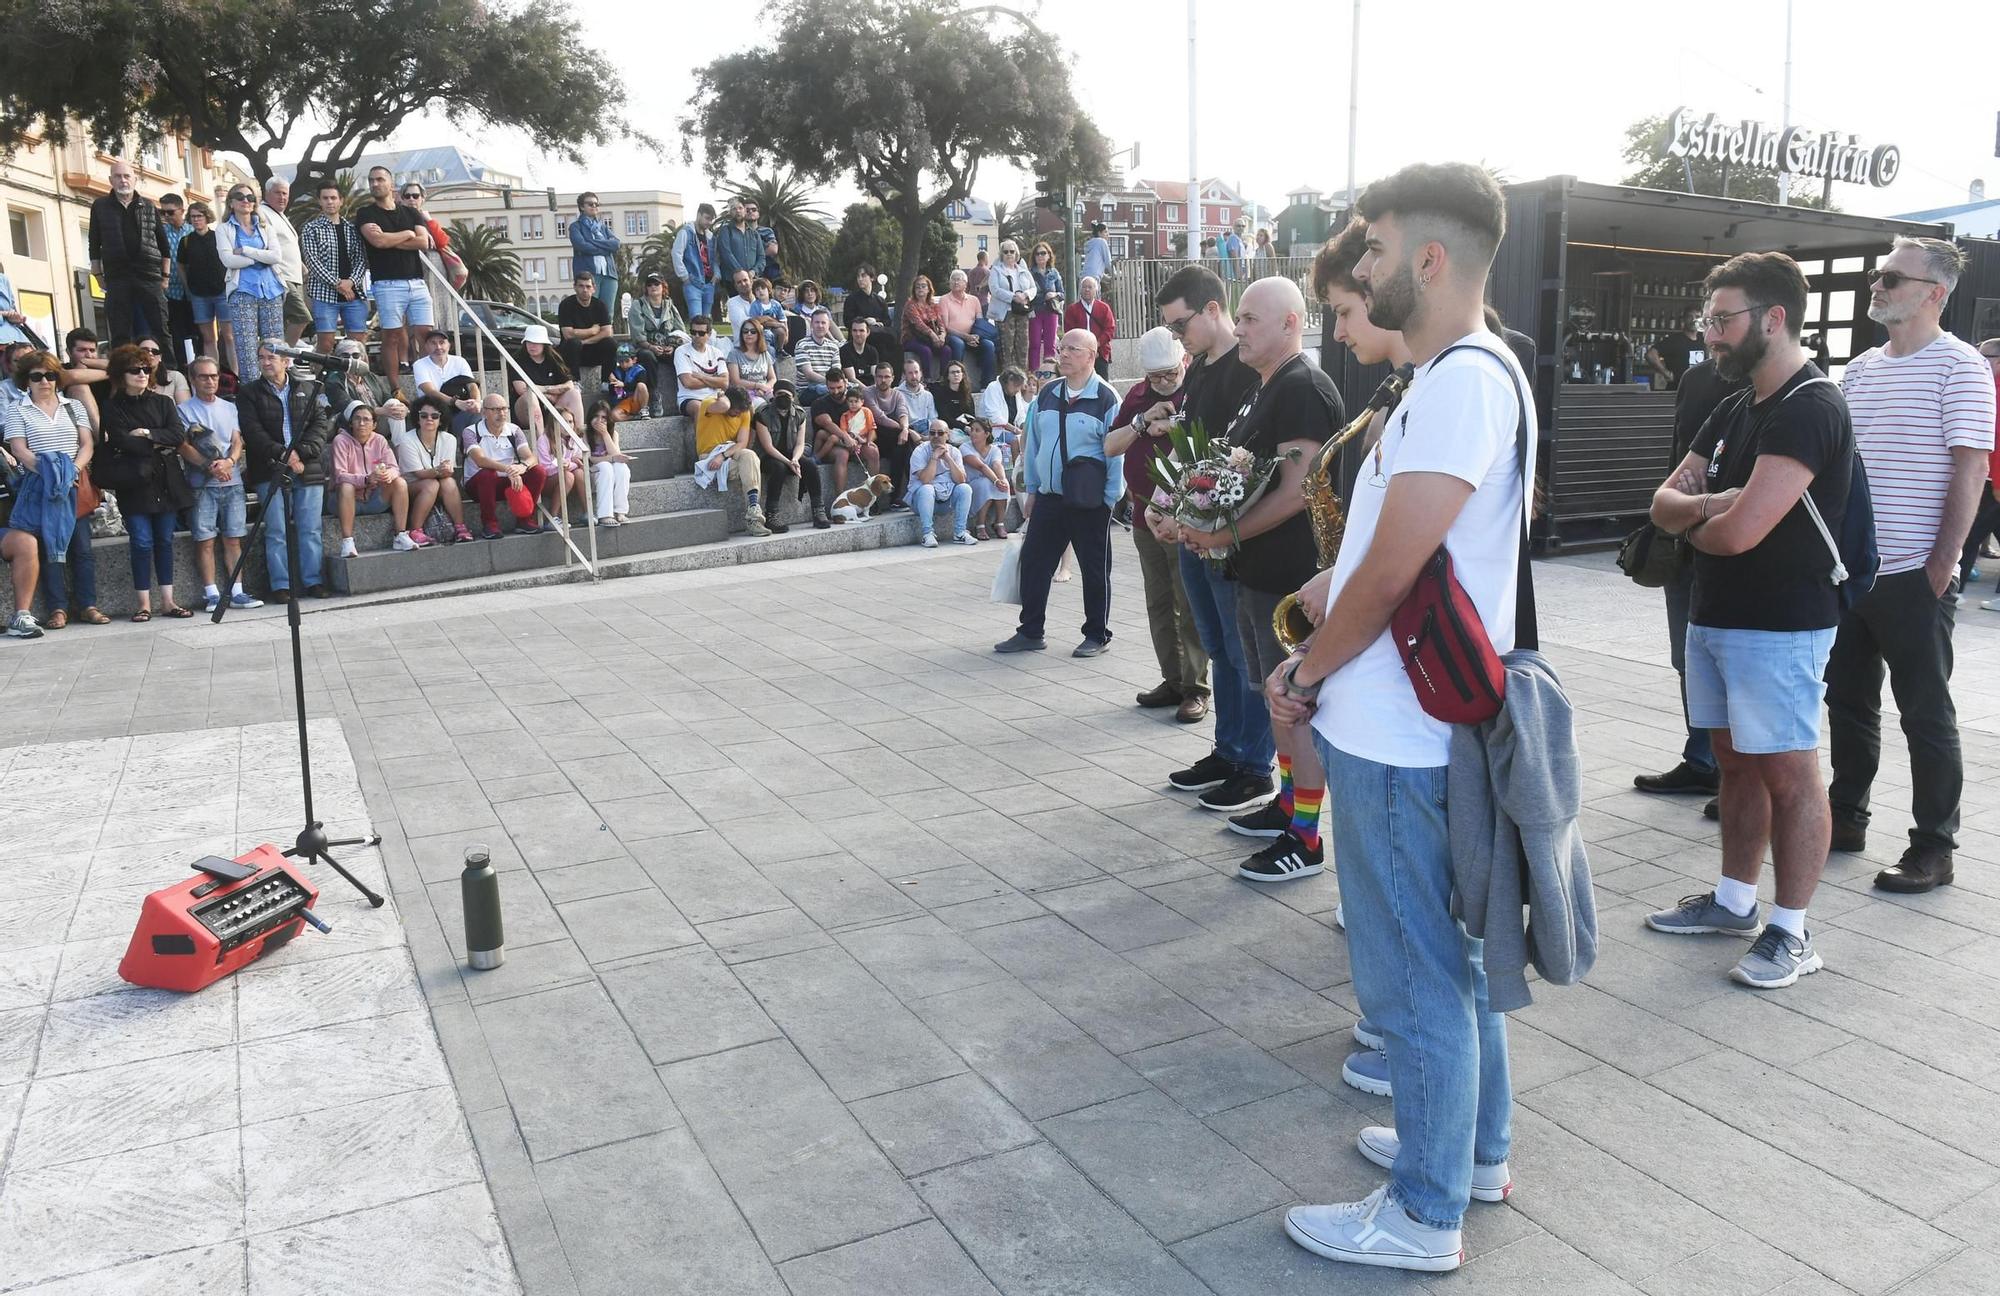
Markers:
<point>1529,87</point>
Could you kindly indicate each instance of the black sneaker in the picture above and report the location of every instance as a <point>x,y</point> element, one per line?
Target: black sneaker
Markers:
<point>1241,792</point>
<point>1283,860</point>
<point>1209,772</point>
<point>1266,820</point>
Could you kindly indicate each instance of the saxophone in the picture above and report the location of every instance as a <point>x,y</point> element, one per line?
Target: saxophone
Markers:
<point>1323,505</point>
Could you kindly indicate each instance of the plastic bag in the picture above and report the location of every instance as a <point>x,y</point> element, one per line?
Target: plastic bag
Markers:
<point>1007,580</point>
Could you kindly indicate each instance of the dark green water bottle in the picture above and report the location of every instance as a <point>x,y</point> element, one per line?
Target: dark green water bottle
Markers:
<point>485,937</point>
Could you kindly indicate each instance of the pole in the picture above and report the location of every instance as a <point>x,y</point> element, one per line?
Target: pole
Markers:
<point>1194,174</point>
<point>1353,98</point>
<point>1785,118</point>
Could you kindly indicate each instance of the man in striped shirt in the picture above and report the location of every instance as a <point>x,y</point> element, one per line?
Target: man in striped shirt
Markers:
<point>1923,420</point>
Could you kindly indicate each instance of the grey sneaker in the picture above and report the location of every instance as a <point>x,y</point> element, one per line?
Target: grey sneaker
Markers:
<point>1776,960</point>
<point>23,626</point>
<point>1702,913</point>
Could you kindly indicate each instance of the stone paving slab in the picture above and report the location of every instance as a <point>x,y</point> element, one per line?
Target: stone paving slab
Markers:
<point>236,1139</point>
<point>845,956</point>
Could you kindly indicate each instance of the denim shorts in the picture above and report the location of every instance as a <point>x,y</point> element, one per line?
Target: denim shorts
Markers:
<point>218,510</point>
<point>353,314</point>
<point>1765,687</point>
<point>207,310</point>
<point>400,302</point>
<point>375,501</point>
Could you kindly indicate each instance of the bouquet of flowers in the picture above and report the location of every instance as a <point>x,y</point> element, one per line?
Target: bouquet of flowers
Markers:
<point>1207,482</point>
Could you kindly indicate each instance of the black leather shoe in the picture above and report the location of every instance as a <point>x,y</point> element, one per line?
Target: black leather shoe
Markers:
<point>1713,810</point>
<point>1921,869</point>
<point>1683,777</point>
<point>1160,695</point>
<point>1018,642</point>
<point>1851,835</point>
<point>316,591</point>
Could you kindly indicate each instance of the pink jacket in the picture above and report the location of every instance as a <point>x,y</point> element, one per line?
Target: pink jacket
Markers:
<point>354,462</point>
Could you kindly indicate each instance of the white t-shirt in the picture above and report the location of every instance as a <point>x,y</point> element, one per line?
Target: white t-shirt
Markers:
<point>944,483</point>
<point>429,373</point>
<point>501,449</point>
<point>1908,412</point>
<point>412,457</point>
<point>739,310</point>
<point>1457,418</point>
<point>687,360</point>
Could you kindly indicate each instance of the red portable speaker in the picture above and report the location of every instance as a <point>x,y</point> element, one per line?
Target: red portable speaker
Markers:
<point>230,914</point>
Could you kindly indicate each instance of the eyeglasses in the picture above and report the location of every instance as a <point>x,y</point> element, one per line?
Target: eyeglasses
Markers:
<point>151,351</point>
<point>1179,327</point>
<point>426,414</point>
<point>242,197</point>
<point>697,332</point>
<point>1719,320</point>
<point>1891,280</point>
<point>43,375</point>
<point>140,370</point>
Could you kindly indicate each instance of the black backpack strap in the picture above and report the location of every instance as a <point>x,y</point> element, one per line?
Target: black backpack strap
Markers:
<point>1527,633</point>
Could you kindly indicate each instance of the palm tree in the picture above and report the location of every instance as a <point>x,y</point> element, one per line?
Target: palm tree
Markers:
<point>788,206</point>
<point>656,254</point>
<point>1013,221</point>
<point>305,206</point>
<point>492,269</point>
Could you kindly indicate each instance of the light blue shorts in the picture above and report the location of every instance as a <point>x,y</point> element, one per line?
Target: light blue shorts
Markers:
<point>352,314</point>
<point>218,510</point>
<point>400,302</point>
<point>207,310</point>
<point>1766,687</point>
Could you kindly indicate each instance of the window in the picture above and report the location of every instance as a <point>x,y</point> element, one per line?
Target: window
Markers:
<point>1139,215</point>
<point>1107,211</point>
<point>531,227</point>
<point>497,223</point>
<point>1171,213</point>
<point>982,243</point>
<point>534,269</point>
<point>562,227</point>
<point>152,157</point>
<point>637,223</point>
<point>1117,242</point>
<point>24,233</point>
<point>563,268</point>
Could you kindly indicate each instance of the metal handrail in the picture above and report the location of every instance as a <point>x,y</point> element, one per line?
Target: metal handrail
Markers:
<point>553,416</point>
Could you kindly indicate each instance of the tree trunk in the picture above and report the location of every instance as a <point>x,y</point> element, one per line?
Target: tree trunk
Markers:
<point>914,218</point>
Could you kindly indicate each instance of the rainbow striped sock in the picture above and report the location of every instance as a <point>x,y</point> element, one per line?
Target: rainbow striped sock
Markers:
<point>1285,783</point>
<point>1305,814</point>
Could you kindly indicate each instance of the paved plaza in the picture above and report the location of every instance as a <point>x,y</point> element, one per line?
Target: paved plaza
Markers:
<point>846,958</point>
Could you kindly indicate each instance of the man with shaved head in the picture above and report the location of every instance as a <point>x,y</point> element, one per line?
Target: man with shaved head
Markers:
<point>126,257</point>
<point>1069,485</point>
<point>1293,410</point>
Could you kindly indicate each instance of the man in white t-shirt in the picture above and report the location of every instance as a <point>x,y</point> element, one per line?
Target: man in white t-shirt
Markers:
<point>1923,419</point>
<point>1446,471</point>
<point>700,370</point>
<point>443,376</point>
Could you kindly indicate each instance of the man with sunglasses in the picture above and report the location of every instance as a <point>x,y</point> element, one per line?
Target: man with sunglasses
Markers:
<point>1765,608</point>
<point>1923,418</point>
<point>395,234</point>
<point>594,245</point>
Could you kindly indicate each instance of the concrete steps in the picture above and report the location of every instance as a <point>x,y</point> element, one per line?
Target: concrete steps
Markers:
<point>675,526</point>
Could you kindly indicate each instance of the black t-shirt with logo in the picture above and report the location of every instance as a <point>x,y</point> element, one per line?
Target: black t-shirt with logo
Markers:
<point>1696,396</point>
<point>1679,352</point>
<point>1782,583</point>
<point>1300,403</point>
<point>391,263</point>
<point>1216,389</point>
<point>549,371</point>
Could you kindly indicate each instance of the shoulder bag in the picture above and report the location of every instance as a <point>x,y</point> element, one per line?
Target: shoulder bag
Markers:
<point>1451,663</point>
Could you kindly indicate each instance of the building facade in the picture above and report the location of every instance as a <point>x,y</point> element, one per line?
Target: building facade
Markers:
<point>540,236</point>
<point>1308,220</point>
<point>47,191</point>
<point>1217,207</point>
<point>973,220</point>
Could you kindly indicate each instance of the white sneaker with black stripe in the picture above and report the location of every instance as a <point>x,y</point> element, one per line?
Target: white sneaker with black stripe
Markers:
<point>1283,860</point>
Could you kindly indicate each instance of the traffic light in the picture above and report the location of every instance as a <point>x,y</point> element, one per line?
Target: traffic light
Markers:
<point>1050,192</point>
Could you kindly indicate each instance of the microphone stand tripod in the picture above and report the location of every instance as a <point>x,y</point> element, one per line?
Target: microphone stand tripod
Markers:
<point>313,844</point>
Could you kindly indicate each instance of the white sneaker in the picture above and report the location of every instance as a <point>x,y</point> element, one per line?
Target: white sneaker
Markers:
<point>1990,605</point>
<point>401,544</point>
<point>1340,916</point>
<point>965,538</point>
<point>1375,1231</point>
<point>347,549</point>
<point>929,541</point>
<point>1379,1144</point>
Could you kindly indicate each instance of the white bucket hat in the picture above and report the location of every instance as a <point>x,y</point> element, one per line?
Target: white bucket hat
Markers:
<point>535,333</point>
<point>1159,350</point>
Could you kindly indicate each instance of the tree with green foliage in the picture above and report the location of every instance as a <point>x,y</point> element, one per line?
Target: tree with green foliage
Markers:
<point>787,206</point>
<point>1645,150</point>
<point>869,236</point>
<point>324,81</point>
<point>1014,221</point>
<point>656,255</point>
<point>909,97</point>
<point>305,206</point>
<point>492,268</point>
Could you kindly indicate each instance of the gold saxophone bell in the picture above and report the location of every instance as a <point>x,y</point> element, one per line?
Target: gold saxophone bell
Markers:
<point>1290,623</point>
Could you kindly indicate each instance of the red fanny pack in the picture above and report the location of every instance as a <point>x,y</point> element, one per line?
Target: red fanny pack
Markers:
<point>1450,661</point>
<point>1445,651</point>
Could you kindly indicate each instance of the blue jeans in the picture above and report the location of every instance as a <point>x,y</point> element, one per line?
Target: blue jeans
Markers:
<point>925,501</point>
<point>1420,980</point>
<point>150,538</point>
<point>310,500</point>
<point>1697,751</point>
<point>700,299</point>
<point>988,334</point>
<point>607,292</point>
<point>57,591</point>
<point>1242,725</point>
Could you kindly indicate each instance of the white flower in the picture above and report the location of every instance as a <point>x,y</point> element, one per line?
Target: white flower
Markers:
<point>1241,460</point>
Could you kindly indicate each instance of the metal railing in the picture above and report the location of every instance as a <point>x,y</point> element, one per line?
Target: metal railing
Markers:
<point>1135,284</point>
<point>445,297</point>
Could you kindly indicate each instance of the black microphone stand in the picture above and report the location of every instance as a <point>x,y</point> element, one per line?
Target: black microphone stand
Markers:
<point>313,844</point>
